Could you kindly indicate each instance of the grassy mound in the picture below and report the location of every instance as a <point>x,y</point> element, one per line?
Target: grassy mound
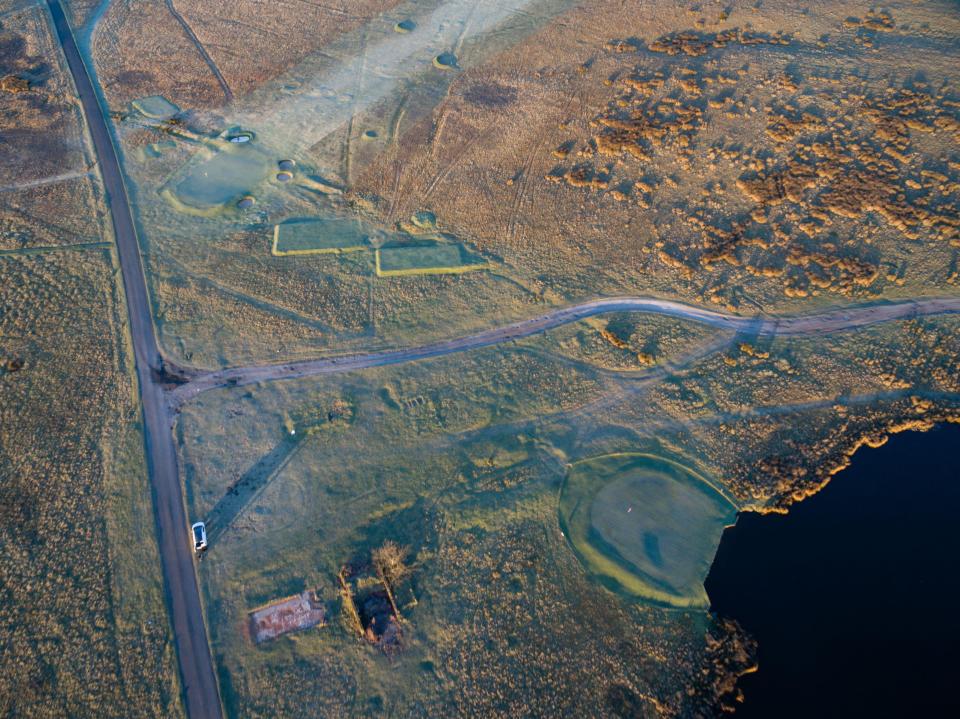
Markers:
<point>644,526</point>
<point>155,107</point>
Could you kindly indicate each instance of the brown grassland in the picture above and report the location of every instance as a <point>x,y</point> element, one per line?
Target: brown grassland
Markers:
<point>757,157</point>
<point>82,617</point>
<point>83,625</point>
<point>743,157</point>
<point>459,459</point>
<point>143,49</point>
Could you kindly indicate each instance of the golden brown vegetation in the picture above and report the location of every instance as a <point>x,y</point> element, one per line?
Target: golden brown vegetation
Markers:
<point>57,213</point>
<point>272,40</point>
<point>834,395</point>
<point>695,44</point>
<point>521,635</point>
<point>389,559</point>
<point>625,342</point>
<point>732,166</point>
<point>81,618</point>
<point>506,620</point>
<point>754,168</point>
<point>823,163</point>
<point>39,124</point>
<point>140,49</point>
<point>804,466</point>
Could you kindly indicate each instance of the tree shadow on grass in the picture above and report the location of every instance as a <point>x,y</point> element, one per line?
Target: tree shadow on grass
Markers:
<point>247,488</point>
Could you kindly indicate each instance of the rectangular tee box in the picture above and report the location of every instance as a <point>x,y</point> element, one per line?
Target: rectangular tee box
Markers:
<point>311,236</point>
<point>426,259</point>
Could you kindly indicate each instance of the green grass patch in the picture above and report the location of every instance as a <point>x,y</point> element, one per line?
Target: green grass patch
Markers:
<point>155,107</point>
<point>217,179</point>
<point>310,236</point>
<point>644,526</point>
<point>426,258</point>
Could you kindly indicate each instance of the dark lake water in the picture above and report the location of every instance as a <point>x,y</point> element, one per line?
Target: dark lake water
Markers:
<point>854,596</point>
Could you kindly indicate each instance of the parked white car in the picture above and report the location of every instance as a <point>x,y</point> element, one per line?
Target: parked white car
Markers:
<point>199,531</point>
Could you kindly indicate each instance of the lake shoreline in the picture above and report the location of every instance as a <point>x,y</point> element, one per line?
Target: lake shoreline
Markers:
<point>848,592</point>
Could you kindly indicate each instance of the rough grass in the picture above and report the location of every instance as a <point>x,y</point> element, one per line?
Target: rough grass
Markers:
<point>83,625</point>
<point>506,623</point>
<point>40,128</point>
<point>663,225</point>
<point>66,212</point>
<point>82,618</point>
<point>626,341</point>
<point>462,459</point>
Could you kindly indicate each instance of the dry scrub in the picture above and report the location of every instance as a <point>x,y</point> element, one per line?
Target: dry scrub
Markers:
<point>81,619</point>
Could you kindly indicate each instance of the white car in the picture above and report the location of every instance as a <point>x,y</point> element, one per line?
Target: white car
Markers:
<point>199,531</point>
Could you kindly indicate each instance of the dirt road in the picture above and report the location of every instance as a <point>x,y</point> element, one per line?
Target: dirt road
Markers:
<point>183,596</point>
<point>791,326</point>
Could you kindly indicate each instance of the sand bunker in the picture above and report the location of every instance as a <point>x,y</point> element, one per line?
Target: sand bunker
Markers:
<point>445,61</point>
<point>644,526</point>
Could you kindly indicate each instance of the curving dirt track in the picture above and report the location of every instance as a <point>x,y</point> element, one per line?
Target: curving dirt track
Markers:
<point>837,320</point>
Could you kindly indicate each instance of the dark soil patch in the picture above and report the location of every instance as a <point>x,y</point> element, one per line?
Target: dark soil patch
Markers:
<point>625,703</point>
<point>490,94</point>
<point>379,623</point>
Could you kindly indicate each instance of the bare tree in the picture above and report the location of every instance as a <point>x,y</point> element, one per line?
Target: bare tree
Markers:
<point>389,561</point>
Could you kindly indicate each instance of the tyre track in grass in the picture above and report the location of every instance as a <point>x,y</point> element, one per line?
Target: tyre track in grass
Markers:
<point>227,92</point>
<point>160,402</point>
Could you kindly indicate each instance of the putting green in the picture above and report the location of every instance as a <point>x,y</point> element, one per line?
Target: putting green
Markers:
<point>644,526</point>
<point>156,107</point>
<point>217,178</point>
